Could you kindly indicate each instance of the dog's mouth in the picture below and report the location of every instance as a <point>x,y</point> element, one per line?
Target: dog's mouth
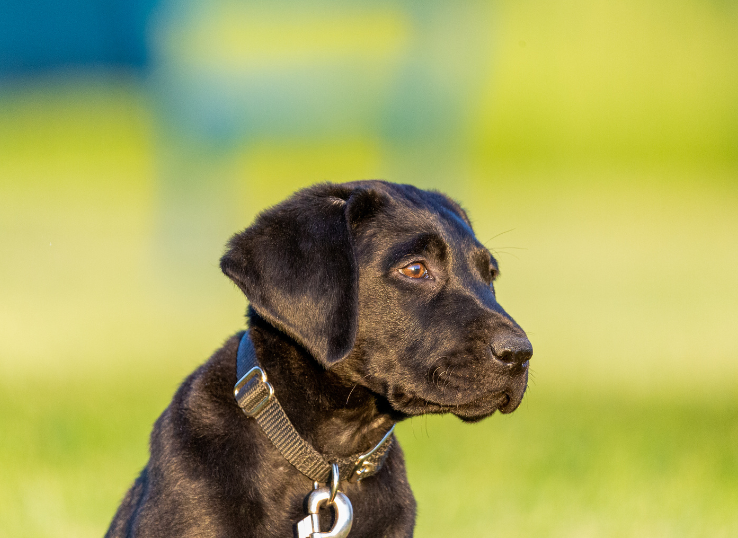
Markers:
<point>505,402</point>
<point>470,408</point>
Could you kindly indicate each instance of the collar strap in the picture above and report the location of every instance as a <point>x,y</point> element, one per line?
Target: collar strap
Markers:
<point>255,396</point>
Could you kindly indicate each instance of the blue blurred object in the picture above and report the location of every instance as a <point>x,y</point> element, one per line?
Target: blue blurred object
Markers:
<point>42,35</point>
<point>227,72</point>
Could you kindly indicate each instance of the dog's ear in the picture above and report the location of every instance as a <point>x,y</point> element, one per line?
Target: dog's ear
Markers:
<point>297,266</point>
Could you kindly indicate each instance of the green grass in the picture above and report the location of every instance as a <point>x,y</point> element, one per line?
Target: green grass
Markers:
<point>581,464</point>
<point>68,451</point>
<point>572,463</point>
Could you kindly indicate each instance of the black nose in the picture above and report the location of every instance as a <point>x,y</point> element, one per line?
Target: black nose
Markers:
<point>512,350</point>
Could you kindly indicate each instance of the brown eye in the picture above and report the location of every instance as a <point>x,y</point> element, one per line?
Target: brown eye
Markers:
<point>415,270</point>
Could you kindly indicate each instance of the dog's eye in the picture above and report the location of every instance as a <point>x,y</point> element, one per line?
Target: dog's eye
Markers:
<point>415,270</point>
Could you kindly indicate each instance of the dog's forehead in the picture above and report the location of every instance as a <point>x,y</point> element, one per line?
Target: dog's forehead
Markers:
<point>408,212</point>
<point>432,211</point>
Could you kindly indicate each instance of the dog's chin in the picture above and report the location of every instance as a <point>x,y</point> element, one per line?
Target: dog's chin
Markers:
<point>505,403</point>
<point>473,410</point>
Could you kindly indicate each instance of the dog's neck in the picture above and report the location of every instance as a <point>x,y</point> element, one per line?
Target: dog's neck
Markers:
<point>338,418</point>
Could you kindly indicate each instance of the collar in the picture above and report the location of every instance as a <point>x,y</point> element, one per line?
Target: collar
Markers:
<point>255,396</point>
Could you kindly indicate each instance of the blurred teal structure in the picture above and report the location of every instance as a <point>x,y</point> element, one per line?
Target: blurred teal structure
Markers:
<point>45,35</point>
<point>595,145</point>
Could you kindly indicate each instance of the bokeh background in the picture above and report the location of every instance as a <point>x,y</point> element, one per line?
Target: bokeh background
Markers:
<point>594,143</point>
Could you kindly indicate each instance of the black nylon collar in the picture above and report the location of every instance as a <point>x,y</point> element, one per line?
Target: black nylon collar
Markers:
<point>255,396</point>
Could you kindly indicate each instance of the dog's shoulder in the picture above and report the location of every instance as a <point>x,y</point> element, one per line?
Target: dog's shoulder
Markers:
<point>207,393</point>
<point>202,418</point>
<point>196,443</point>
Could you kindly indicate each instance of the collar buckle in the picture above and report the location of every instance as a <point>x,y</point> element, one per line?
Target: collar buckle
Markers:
<point>253,399</point>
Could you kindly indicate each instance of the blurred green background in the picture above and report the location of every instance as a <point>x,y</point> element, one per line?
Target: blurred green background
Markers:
<point>594,143</point>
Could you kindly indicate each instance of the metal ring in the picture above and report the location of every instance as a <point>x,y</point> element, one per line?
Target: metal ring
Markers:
<point>335,479</point>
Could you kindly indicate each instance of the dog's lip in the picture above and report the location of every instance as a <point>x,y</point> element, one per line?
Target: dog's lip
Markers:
<point>510,405</point>
<point>506,399</point>
<point>484,406</point>
<point>515,393</point>
<point>477,408</point>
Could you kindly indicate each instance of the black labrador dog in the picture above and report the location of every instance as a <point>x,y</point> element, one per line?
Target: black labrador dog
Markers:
<point>370,302</point>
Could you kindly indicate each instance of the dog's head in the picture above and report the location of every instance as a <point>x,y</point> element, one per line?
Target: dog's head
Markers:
<point>388,285</point>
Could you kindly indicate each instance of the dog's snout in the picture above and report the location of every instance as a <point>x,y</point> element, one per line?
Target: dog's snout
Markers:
<point>512,351</point>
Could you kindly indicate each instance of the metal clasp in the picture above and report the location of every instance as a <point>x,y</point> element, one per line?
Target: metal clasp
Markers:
<point>309,527</point>
<point>364,468</point>
<point>244,399</point>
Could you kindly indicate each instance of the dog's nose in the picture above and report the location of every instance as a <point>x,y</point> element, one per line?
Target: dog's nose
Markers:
<point>512,350</point>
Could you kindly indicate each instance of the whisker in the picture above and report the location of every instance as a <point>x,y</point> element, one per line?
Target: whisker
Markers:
<point>499,234</point>
<point>496,253</point>
<point>433,377</point>
<point>351,392</point>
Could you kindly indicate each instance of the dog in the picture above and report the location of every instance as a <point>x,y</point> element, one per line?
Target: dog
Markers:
<point>370,302</point>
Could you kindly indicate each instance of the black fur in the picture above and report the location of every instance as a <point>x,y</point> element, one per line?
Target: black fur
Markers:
<point>350,345</point>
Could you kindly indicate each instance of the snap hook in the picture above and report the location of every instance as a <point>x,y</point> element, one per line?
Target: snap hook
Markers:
<point>309,527</point>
